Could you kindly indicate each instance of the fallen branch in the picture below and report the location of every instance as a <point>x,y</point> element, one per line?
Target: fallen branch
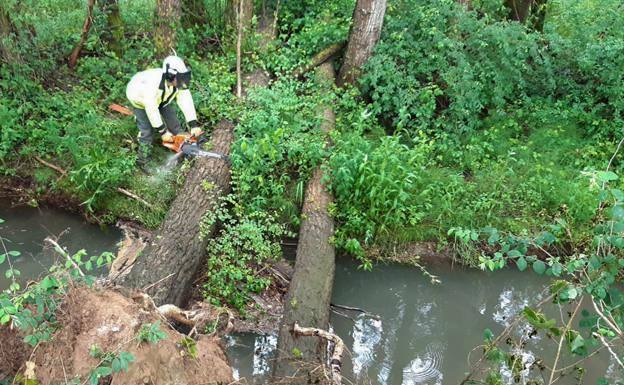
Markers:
<point>73,58</point>
<point>319,59</point>
<point>120,190</point>
<point>336,359</point>
<point>64,253</point>
<point>52,166</point>
<point>356,309</point>
<point>134,196</point>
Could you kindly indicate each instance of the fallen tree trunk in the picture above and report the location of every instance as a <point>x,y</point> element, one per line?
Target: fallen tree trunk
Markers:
<point>168,265</point>
<point>178,250</point>
<point>319,59</point>
<point>310,290</point>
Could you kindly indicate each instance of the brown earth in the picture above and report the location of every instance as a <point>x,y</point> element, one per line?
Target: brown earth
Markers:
<point>111,320</point>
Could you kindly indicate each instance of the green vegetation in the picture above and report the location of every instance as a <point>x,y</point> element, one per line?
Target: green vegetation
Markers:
<point>463,120</point>
<point>467,129</point>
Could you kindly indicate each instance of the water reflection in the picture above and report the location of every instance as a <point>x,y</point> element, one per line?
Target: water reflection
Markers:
<point>425,333</point>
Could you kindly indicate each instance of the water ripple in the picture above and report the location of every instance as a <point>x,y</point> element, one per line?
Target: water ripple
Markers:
<point>425,368</point>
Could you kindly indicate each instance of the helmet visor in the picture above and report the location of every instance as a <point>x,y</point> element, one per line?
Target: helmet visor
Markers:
<point>183,79</point>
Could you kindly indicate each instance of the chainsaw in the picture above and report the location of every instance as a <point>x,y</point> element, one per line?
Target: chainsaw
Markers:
<point>182,144</point>
<point>189,145</point>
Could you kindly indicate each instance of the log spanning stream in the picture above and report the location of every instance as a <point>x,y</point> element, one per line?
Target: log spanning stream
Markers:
<point>422,335</point>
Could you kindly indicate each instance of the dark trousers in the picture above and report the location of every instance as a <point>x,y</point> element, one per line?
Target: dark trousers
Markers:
<point>146,131</point>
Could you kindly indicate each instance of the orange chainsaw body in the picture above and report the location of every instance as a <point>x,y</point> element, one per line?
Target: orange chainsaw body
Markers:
<point>178,141</point>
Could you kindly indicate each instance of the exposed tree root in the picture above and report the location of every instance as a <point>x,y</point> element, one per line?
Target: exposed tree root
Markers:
<point>335,364</point>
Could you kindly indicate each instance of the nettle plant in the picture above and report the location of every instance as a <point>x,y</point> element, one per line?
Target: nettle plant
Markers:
<point>585,286</point>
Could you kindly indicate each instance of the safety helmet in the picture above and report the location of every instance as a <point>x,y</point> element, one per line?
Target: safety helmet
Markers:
<point>175,69</point>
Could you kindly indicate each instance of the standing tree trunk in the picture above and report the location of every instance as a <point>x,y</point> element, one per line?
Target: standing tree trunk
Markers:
<point>167,22</point>
<point>114,35</point>
<point>7,29</point>
<point>86,27</point>
<point>309,294</point>
<point>532,12</point>
<point>233,9</point>
<point>194,13</point>
<point>365,31</point>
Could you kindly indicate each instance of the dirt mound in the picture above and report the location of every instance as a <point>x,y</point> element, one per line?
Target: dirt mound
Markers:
<point>112,321</point>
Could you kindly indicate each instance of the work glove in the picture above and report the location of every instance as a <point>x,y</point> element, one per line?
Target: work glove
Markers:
<point>167,137</point>
<point>195,129</point>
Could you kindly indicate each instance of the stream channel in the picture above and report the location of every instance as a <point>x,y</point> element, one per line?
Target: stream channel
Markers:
<point>423,333</point>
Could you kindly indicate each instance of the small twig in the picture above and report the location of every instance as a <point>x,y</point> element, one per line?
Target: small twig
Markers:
<point>606,345</point>
<point>64,372</point>
<point>134,196</point>
<point>146,288</point>
<point>561,339</point>
<point>64,253</point>
<point>356,309</point>
<point>52,166</point>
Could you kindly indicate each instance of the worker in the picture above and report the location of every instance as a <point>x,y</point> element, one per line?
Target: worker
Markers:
<point>151,92</point>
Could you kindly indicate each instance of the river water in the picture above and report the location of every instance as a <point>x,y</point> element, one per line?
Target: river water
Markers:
<point>25,229</point>
<point>421,333</point>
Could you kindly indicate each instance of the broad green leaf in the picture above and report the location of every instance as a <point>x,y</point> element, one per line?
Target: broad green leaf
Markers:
<point>606,176</point>
<point>522,264</point>
<point>577,343</point>
<point>539,267</point>
<point>557,269</point>
<point>14,253</point>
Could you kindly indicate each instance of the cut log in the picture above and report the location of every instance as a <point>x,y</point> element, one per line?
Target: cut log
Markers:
<point>309,294</point>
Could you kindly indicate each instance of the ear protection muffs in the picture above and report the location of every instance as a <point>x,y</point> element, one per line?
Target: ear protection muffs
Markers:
<point>170,75</point>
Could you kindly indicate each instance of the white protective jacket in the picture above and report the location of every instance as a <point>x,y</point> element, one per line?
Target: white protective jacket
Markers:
<point>148,90</point>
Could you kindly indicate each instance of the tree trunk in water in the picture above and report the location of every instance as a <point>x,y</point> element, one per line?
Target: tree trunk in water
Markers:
<point>309,294</point>
<point>115,33</point>
<point>167,22</point>
<point>365,31</point>
<point>86,27</point>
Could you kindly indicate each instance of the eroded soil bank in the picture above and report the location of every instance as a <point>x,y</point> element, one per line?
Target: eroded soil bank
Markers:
<point>111,321</point>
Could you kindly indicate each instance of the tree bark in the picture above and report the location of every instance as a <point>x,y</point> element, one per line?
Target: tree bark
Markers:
<point>532,12</point>
<point>167,22</point>
<point>365,31</point>
<point>194,13</point>
<point>86,27</point>
<point>247,14</point>
<point>8,53</point>
<point>309,294</point>
<point>114,35</point>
